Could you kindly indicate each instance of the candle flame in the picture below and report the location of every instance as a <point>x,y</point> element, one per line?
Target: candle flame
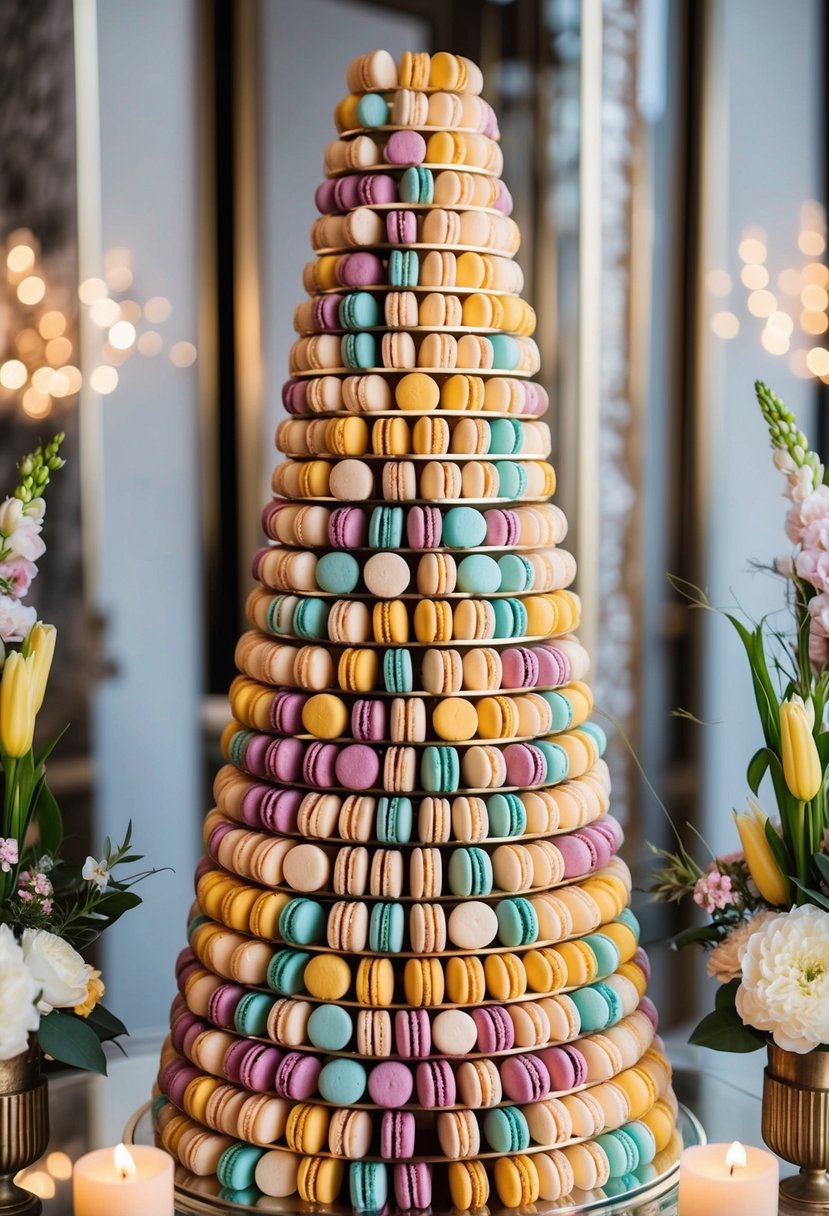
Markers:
<point>124,1163</point>
<point>736,1156</point>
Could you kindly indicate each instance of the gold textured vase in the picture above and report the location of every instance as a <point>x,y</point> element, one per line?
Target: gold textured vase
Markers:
<point>24,1128</point>
<point>796,1123</point>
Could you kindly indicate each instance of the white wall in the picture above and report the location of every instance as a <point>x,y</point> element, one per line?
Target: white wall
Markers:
<point>765,92</point>
<point>147,745</point>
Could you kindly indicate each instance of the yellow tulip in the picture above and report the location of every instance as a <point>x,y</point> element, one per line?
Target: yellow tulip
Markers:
<point>801,762</point>
<point>40,645</point>
<point>762,866</point>
<point>17,713</point>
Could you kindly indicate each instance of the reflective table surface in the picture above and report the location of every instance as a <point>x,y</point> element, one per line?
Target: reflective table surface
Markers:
<point>723,1091</point>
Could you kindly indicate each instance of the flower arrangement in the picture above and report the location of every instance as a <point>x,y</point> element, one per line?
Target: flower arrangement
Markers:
<point>50,909</point>
<point>767,938</point>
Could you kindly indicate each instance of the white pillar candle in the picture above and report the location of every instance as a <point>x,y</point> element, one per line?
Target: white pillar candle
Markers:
<point>124,1182</point>
<point>727,1180</point>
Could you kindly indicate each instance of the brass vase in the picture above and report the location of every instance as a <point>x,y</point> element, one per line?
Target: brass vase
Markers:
<point>796,1123</point>
<point>24,1128</point>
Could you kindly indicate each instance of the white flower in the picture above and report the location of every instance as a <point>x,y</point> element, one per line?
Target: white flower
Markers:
<point>96,872</point>
<point>26,540</point>
<point>16,619</point>
<point>783,461</point>
<point>11,512</point>
<point>785,979</point>
<point>801,484</point>
<point>35,509</point>
<point>18,989</point>
<point>59,970</point>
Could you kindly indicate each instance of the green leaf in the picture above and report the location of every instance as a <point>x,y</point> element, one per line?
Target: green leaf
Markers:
<point>822,864</point>
<point>727,995</point>
<point>50,747</point>
<point>722,1030</point>
<point>49,822</point>
<point>115,905</point>
<point>815,897</point>
<point>777,847</point>
<point>105,1024</point>
<point>757,766</point>
<point>67,1038</point>
<point>705,933</point>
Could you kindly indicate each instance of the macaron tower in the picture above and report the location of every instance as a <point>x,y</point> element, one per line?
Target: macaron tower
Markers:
<point>413,978</point>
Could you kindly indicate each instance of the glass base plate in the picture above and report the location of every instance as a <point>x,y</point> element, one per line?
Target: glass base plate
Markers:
<point>650,1196</point>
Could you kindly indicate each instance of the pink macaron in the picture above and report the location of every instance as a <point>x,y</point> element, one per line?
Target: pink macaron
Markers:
<point>501,528</point>
<point>650,1011</point>
<point>326,311</point>
<point>357,767</point>
<point>579,852</point>
<point>566,1067</point>
<point>258,1069</point>
<point>495,1029</point>
<point>405,148</point>
<point>182,1026</point>
<point>295,397</point>
<point>175,1078</point>
<point>412,1033</point>
<point>361,269</point>
<point>222,1005</point>
<point>286,712</point>
<point>297,1075</point>
<point>368,719</point>
<point>278,810</point>
<point>324,197</point>
<point>524,1078</point>
<point>347,192</point>
<point>525,764</point>
<point>377,189</point>
<point>234,1059</point>
<point>519,666</point>
<point>318,765</point>
<point>397,1135</point>
<point>641,959</point>
<point>413,1185</point>
<point>347,528</point>
<point>401,227</point>
<point>553,666</point>
<point>283,759</point>
<point>503,199</point>
<point>435,1083</point>
<point>424,527</point>
<point>390,1084</point>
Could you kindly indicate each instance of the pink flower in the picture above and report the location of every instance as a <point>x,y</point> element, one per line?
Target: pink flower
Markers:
<point>813,566</point>
<point>46,906</point>
<point>818,645</point>
<point>813,510</point>
<point>801,483</point>
<point>713,890</point>
<point>17,574</point>
<point>785,565</point>
<point>26,540</point>
<point>25,896</point>
<point>16,619</point>
<point>819,612</point>
<point>8,853</point>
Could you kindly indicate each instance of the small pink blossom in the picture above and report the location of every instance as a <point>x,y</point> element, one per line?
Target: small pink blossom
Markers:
<point>25,896</point>
<point>785,565</point>
<point>26,540</point>
<point>819,612</point>
<point>16,619</point>
<point>713,890</point>
<point>818,646</point>
<point>8,853</point>
<point>813,566</point>
<point>17,573</point>
<point>47,907</point>
<point>801,484</point>
<point>814,509</point>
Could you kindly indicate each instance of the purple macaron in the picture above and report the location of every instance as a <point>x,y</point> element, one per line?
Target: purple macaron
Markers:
<point>524,1078</point>
<point>326,310</point>
<point>324,197</point>
<point>401,227</point>
<point>579,852</point>
<point>377,189</point>
<point>501,528</point>
<point>174,1079</point>
<point>525,764</point>
<point>435,1084</point>
<point>536,399</point>
<point>215,838</point>
<point>405,148</point>
<point>295,396</point>
<point>297,1075</point>
<point>203,866</point>
<point>357,767</point>
<point>347,528</point>
<point>368,720</point>
<point>283,759</point>
<point>390,1084</point>
<point>412,1033</point>
<point>222,1005</point>
<point>641,959</point>
<point>397,1135</point>
<point>495,1029</point>
<point>650,1011</point>
<point>553,666</point>
<point>279,810</point>
<point>565,1065</point>
<point>286,712</point>
<point>503,201</point>
<point>424,527</point>
<point>233,1060</point>
<point>361,269</point>
<point>318,765</point>
<point>259,1068</point>
<point>347,192</point>
<point>413,1185</point>
<point>519,667</point>
<point>182,1025</point>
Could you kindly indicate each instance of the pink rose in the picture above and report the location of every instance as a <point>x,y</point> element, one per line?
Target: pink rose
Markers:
<point>26,541</point>
<point>813,566</point>
<point>17,573</point>
<point>16,619</point>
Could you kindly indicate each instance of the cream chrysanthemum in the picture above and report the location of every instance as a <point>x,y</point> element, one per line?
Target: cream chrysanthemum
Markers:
<point>785,979</point>
<point>723,962</point>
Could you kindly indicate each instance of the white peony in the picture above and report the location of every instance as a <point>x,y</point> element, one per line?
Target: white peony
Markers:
<point>59,970</point>
<point>18,989</point>
<point>785,979</point>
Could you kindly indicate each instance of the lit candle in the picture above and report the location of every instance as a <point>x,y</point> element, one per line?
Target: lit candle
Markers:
<point>124,1182</point>
<point>718,1180</point>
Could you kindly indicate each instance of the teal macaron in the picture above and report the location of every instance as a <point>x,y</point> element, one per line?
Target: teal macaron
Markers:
<point>506,1130</point>
<point>478,574</point>
<point>196,923</point>
<point>439,770</point>
<point>507,815</point>
<point>516,572</point>
<point>517,922</point>
<point>463,528</point>
<point>627,917</point>
<point>368,1185</point>
<point>302,922</point>
<point>404,268</point>
<point>359,350</point>
<point>338,572</point>
<point>359,310</point>
<point>385,929</point>
<point>558,762</point>
<point>605,950</point>
<point>281,612</point>
<point>510,618</point>
<point>597,735</point>
<point>397,670</point>
<point>372,110</point>
<point>561,708</point>
<point>286,971</point>
<point>250,1016</point>
<point>395,817</point>
<point>238,746</point>
<point>470,872</point>
<point>613,1001</point>
<point>643,1138</point>
<point>311,617</point>
<point>621,1150</point>
<point>342,1082</point>
<point>594,1009</point>
<point>417,185</point>
<point>385,528</point>
<point>237,1166</point>
<point>512,479</point>
<point>506,353</point>
<point>330,1027</point>
<point>158,1104</point>
<point>506,436</point>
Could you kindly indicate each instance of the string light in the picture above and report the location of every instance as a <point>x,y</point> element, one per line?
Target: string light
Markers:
<point>13,374</point>
<point>754,277</point>
<point>762,303</point>
<point>725,324</point>
<point>718,282</point>
<point>104,380</point>
<point>122,335</point>
<point>150,343</point>
<point>183,354</point>
<point>158,309</point>
<point>58,350</point>
<point>104,312</point>
<point>31,290</point>
<point>817,361</point>
<point>52,324</point>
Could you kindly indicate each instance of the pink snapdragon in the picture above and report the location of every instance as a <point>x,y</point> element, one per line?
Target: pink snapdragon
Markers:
<point>8,853</point>
<point>16,574</point>
<point>713,890</point>
<point>16,619</point>
<point>807,521</point>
